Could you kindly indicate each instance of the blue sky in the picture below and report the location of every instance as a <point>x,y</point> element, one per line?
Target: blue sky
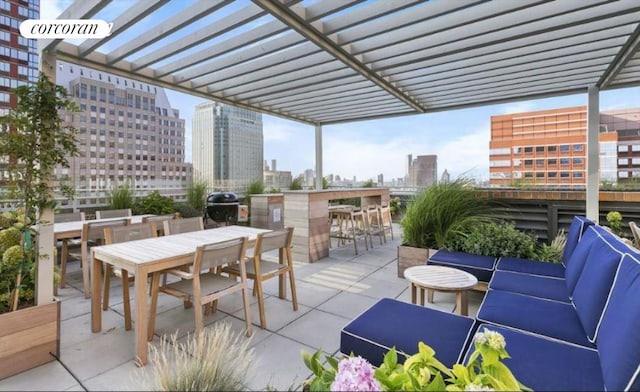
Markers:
<point>365,149</point>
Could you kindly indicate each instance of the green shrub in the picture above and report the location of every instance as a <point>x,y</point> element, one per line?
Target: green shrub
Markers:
<point>615,222</point>
<point>553,251</point>
<point>154,203</point>
<point>197,195</point>
<point>215,360</point>
<point>296,184</point>
<point>9,237</point>
<point>496,239</point>
<point>186,211</point>
<point>442,212</point>
<point>121,197</point>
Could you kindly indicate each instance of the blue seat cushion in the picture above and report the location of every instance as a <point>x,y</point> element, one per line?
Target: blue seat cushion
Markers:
<point>618,338</point>
<point>594,284</point>
<point>481,267</point>
<point>549,365</point>
<point>578,225</point>
<point>532,285</point>
<point>531,267</point>
<point>389,323</point>
<point>579,258</point>
<point>542,316</point>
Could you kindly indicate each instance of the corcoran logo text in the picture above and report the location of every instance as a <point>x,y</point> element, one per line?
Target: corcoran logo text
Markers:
<point>65,28</point>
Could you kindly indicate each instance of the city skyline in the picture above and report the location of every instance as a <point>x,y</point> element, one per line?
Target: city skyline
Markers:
<point>365,149</point>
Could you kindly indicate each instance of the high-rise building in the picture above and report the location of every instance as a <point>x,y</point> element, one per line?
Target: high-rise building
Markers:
<point>228,146</point>
<point>274,179</point>
<point>547,148</point>
<point>18,55</point>
<point>423,171</point>
<point>127,132</point>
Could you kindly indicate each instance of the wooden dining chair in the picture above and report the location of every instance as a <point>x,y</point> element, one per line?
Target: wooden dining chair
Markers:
<point>63,245</point>
<point>203,286</point>
<point>117,234</point>
<point>158,221</point>
<point>260,269</point>
<point>387,220</point>
<point>93,234</point>
<point>183,225</point>
<point>636,233</point>
<point>102,214</point>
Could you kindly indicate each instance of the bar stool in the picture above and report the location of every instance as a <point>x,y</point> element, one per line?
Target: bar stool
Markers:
<point>374,224</point>
<point>344,227</point>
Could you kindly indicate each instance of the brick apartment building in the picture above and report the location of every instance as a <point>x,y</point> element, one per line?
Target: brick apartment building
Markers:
<point>547,148</point>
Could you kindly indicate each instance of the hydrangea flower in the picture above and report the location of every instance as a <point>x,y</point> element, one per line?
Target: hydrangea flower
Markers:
<point>491,338</point>
<point>355,374</point>
<point>477,387</point>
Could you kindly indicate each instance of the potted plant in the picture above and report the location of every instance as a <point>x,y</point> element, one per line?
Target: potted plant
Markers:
<point>33,141</point>
<point>436,217</point>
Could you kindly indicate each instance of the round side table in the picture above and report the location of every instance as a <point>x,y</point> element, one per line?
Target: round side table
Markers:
<point>438,278</point>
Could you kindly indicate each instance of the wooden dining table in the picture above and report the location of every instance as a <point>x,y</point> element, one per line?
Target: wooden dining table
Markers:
<point>65,231</point>
<point>143,257</point>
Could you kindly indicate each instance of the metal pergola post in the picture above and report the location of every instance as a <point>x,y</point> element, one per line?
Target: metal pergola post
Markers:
<point>593,130</point>
<point>318,157</point>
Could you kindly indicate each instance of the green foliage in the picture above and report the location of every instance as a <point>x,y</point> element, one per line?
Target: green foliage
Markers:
<point>424,372</point>
<point>325,183</point>
<point>36,142</point>
<point>615,222</point>
<point>154,203</point>
<point>368,184</point>
<point>197,195</point>
<point>186,211</point>
<point>553,251</point>
<point>296,184</point>
<point>217,359</point>
<point>9,237</point>
<point>395,205</point>
<point>495,239</point>
<point>121,197</point>
<point>255,188</point>
<point>442,212</point>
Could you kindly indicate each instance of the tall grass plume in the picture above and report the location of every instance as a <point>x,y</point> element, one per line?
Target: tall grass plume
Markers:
<point>217,359</point>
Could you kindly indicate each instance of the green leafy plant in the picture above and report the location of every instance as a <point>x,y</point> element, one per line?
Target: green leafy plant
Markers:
<point>419,372</point>
<point>186,211</point>
<point>217,359</point>
<point>197,195</point>
<point>495,239</point>
<point>154,203</point>
<point>121,197</point>
<point>296,184</point>
<point>442,212</point>
<point>35,141</point>
<point>615,222</point>
<point>553,251</point>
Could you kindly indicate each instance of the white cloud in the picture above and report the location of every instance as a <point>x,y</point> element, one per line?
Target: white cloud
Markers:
<point>468,155</point>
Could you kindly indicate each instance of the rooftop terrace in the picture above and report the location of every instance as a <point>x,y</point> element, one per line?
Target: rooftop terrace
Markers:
<point>331,292</point>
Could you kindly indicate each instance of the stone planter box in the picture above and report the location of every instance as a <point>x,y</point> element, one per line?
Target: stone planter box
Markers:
<point>29,337</point>
<point>408,256</point>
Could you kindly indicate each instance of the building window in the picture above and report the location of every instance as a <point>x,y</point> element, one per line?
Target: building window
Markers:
<point>552,162</point>
<point>564,148</point>
<point>528,162</point>
<point>552,174</point>
<point>578,147</point>
<point>539,174</point>
<point>539,162</point>
<point>540,150</point>
<point>578,174</point>
<point>552,149</point>
<point>564,162</point>
<point>564,174</point>
<point>528,150</point>
<point>578,161</point>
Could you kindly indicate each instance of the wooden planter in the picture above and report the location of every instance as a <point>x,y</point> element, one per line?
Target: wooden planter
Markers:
<point>29,337</point>
<point>408,256</point>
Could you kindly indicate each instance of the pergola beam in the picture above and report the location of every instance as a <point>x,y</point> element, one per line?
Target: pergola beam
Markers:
<point>297,23</point>
<point>79,9</point>
<point>627,52</point>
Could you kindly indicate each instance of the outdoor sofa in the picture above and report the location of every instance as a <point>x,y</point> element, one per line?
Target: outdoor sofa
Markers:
<point>578,331</point>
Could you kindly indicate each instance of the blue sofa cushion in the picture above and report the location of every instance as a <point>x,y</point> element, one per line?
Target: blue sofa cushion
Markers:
<point>593,286</point>
<point>389,323</point>
<point>618,338</point>
<point>481,267</point>
<point>532,285</point>
<point>578,226</point>
<point>545,364</point>
<point>554,319</point>
<point>579,257</point>
<point>531,267</point>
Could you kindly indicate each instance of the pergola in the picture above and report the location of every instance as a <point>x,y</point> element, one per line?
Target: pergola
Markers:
<point>331,61</point>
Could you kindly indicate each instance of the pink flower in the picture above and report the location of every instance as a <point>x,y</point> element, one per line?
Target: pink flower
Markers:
<point>355,374</point>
